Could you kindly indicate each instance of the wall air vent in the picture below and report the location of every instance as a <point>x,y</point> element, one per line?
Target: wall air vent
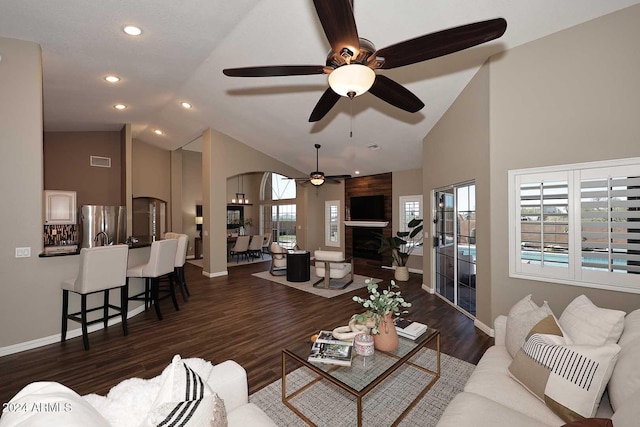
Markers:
<point>100,162</point>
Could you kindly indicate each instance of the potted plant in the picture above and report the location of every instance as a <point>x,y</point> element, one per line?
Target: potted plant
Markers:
<point>382,307</point>
<point>400,246</point>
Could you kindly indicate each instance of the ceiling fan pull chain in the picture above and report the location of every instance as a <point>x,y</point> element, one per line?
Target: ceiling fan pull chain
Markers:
<point>351,120</point>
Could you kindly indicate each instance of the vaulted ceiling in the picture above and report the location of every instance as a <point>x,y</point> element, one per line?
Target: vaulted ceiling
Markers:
<point>185,45</point>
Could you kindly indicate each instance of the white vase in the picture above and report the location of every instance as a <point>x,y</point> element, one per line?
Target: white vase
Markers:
<point>402,273</point>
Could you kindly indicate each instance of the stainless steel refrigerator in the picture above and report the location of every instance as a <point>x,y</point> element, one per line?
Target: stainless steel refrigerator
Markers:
<point>103,225</point>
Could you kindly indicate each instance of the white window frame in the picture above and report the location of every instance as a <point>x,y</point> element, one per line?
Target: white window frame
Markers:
<point>574,274</point>
<point>328,206</point>
<point>402,224</point>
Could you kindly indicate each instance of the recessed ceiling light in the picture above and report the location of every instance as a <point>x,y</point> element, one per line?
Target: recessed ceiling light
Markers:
<point>119,106</point>
<point>112,79</point>
<point>186,105</point>
<point>357,172</point>
<point>158,132</point>
<point>132,31</point>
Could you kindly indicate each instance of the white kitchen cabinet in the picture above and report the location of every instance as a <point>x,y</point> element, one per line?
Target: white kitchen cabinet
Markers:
<point>59,207</point>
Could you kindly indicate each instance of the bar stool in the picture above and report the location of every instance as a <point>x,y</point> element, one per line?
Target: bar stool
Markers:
<point>161,263</point>
<point>101,268</point>
<point>181,259</point>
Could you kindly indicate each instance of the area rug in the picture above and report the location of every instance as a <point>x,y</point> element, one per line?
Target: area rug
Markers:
<point>358,282</point>
<point>328,405</point>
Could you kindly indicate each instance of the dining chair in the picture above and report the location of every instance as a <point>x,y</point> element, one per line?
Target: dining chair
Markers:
<point>101,268</point>
<point>161,263</point>
<point>255,246</point>
<point>266,242</point>
<point>241,247</point>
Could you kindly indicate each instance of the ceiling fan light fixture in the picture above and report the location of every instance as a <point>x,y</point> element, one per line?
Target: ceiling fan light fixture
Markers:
<point>352,78</point>
<point>316,178</point>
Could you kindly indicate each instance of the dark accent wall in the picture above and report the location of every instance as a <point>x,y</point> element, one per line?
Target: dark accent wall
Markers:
<point>370,185</point>
<point>66,166</point>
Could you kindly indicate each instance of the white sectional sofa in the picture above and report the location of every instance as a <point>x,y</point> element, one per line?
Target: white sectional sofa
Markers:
<point>223,400</point>
<point>493,397</point>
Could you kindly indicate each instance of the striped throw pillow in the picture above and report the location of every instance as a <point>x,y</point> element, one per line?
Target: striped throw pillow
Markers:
<point>186,400</point>
<point>570,379</point>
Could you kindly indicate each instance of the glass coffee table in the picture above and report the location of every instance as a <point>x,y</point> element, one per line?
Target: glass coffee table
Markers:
<point>360,378</point>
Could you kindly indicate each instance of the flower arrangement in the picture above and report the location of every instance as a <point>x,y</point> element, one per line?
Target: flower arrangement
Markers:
<point>378,304</point>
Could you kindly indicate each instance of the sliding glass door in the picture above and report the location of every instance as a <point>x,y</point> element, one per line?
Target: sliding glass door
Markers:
<point>455,245</point>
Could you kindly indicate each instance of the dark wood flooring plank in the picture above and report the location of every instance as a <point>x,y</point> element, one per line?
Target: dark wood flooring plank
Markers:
<point>237,317</point>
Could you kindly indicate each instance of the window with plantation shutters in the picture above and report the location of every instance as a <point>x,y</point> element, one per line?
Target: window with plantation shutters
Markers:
<point>577,224</point>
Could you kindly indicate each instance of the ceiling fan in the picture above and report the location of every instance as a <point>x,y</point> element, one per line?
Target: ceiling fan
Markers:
<point>318,177</point>
<point>352,60</point>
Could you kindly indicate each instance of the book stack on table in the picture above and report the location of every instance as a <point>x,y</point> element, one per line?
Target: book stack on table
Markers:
<point>409,329</point>
<point>328,349</point>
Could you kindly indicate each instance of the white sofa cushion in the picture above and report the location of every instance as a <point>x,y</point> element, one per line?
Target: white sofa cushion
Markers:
<point>523,316</point>
<point>46,404</point>
<point>491,380</point>
<point>588,324</point>
<point>628,414</point>
<point>185,399</point>
<point>569,379</point>
<point>625,379</point>
<point>631,328</point>
<point>470,409</point>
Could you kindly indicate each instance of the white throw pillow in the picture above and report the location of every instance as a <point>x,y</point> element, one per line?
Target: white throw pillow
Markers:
<point>625,379</point>
<point>523,316</point>
<point>569,379</point>
<point>585,323</point>
<point>46,404</point>
<point>185,399</point>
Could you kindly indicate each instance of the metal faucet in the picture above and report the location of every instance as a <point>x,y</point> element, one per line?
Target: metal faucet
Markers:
<point>105,238</point>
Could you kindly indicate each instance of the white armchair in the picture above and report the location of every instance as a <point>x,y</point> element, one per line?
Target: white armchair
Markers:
<point>337,267</point>
<point>278,260</point>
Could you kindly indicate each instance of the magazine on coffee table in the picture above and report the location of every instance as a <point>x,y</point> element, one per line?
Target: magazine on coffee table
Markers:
<point>328,338</point>
<point>409,328</point>
<point>335,354</point>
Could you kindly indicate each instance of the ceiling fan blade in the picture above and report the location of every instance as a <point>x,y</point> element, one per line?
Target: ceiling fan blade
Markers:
<point>441,43</point>
<point>395,94</point>
<point>338,176</point>
<point>329,180</point>
<point>274,70</point>
<point>336,17</point>
<point>326,103</point>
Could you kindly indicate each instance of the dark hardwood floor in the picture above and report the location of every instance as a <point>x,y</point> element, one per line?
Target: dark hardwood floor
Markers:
<point>237,317</point>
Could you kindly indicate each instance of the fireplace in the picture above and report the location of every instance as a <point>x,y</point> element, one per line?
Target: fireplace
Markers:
<point>366,242</point>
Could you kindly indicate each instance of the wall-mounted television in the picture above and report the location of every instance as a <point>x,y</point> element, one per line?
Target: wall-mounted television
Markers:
<point>367,208</point>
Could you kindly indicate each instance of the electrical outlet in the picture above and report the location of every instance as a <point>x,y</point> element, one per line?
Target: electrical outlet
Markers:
<point>23,252</point>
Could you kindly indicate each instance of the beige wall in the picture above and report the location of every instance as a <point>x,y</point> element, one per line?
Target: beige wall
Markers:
<point>407,183</point>
<point>28,294</point>
<point>191,193</point>
<point>151,171</point>
<point>223,157</point>
<point>66,166</point>
<point>457,151</point>
<point>315,198</point>
<point>570,97</point>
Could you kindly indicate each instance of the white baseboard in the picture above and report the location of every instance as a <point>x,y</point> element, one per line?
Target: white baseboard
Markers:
<point>216,274</point>
<point>484,328</point>
<point>72,333</point>
<point>428,289</point>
